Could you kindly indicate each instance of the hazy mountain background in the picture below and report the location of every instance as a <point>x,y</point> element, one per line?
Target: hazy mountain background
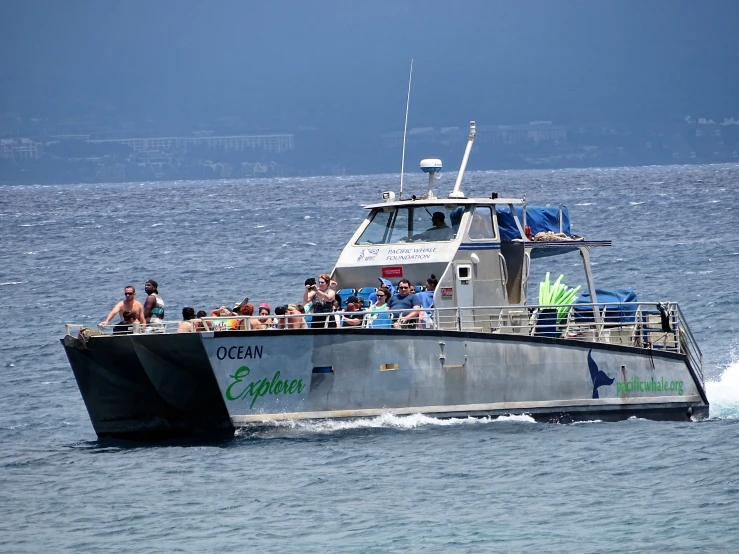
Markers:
<point>341,66</point>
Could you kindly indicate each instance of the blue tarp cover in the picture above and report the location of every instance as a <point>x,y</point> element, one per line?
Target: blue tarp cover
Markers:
<point>615,313</point>
<point>539,218</point>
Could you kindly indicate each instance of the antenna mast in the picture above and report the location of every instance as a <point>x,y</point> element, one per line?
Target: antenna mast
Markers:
<point>405,129</point>
<point>456,193</point>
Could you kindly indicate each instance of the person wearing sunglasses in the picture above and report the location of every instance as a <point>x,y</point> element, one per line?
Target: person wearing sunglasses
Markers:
<point>407,301</point>
<point>128,304</point>
<point>383,295</point>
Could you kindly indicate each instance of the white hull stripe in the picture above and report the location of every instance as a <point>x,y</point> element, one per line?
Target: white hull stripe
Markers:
<point>471,408</point>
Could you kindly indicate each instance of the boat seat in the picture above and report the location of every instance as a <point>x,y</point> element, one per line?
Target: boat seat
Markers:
<point>384,320</point>
<point>345,293</point>
<point>365,293</point>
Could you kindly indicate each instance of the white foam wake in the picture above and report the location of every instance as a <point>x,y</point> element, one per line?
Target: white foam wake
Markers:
<point>724,393</point>
<point>388,421</point>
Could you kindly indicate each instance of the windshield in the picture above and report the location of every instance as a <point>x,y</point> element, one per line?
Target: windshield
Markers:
<point>412,224</point>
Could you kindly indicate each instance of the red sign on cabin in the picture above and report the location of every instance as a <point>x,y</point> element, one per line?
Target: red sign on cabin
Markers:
<point>392,271</point>
<point>447,292</point>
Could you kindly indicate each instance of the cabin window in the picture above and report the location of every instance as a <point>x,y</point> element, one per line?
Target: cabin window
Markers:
<point>378,228</point>
<point>481,227</point>
<point>412,224</point>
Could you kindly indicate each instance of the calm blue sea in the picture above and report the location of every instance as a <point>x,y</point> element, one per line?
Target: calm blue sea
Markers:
<point>383,485</point>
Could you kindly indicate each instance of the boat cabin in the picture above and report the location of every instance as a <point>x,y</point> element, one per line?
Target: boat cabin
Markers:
<point>477,247</point>
<point>480,249</point>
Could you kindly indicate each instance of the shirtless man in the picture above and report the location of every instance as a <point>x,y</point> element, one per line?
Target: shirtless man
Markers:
<point>129,304</point>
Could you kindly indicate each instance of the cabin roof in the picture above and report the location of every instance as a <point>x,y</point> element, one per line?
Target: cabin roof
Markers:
<point>446,201</point>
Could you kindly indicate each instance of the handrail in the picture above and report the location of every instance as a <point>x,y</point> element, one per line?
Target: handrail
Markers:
<point>636,324</point>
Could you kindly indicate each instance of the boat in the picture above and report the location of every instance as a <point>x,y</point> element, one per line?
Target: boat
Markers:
<point>483,349</point>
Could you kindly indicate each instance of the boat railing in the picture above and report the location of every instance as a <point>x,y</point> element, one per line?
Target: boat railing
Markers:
<point>641,324</point>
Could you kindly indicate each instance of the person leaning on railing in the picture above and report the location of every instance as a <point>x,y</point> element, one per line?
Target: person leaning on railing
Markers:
<point>349,317</point>
<point>128,304</point>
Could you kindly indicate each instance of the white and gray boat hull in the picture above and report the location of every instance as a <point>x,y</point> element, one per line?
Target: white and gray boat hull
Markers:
<point>206,384</point>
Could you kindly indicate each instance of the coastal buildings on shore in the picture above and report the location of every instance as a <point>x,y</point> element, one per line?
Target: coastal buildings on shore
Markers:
<point>43,151</point>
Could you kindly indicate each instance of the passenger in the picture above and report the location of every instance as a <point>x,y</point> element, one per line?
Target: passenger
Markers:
<point>383,293</point>
<point>308,294</point>
<point>246,311</point>
<point>154,305</point>
<point>427,296</point>
<point>296,319</point>
<point>125,326</point>
<point>199,324</point>
<point>223,324</point>
<point>407,301</point>
<point>438,231</point>
<point>383,283</point>
<point>334,320</point>
<point>187,325</point>
<point>264,318</point>
<point>321,297</point>
<point>427,301</point>
<point>128,304</point>
<point>350,318</point>
<point>279,322</point>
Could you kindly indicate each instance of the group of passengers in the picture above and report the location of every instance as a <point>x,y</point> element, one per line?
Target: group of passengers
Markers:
<point>321,307</point>
<point>131,311</point>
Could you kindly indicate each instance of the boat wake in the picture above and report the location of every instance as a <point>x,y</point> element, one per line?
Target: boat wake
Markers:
<point>724,394</point>
<point>292,428</point>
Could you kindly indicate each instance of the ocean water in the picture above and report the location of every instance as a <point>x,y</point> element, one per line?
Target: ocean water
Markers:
<point>389,484</point>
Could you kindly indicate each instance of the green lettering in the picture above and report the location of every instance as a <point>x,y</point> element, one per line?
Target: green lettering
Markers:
<point>659,386</point>
<point>250,389</point>
<point>260,387</point>
<point>680,388</point>
<point>275,380</point>
<point>237,377</point>
<point>261,391</point>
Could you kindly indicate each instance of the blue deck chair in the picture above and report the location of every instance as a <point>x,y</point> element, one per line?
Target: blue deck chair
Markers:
<point>383,320</point>
<point>366,293</point>
<point>345,293</point>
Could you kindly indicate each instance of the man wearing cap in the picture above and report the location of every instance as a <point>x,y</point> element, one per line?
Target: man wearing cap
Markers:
<point>154,305</point>
<point>350,318</point>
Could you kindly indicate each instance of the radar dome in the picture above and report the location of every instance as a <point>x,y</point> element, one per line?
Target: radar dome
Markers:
<point>431,165</point>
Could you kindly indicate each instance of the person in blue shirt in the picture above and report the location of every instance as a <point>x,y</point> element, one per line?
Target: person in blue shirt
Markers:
<point>407,301</point>
<point>427,296</point>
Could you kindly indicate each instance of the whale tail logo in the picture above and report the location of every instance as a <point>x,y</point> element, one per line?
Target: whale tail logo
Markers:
<point>599,378</point>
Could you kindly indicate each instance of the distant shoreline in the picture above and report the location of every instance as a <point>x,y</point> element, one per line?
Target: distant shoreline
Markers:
<point>353,174</point>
